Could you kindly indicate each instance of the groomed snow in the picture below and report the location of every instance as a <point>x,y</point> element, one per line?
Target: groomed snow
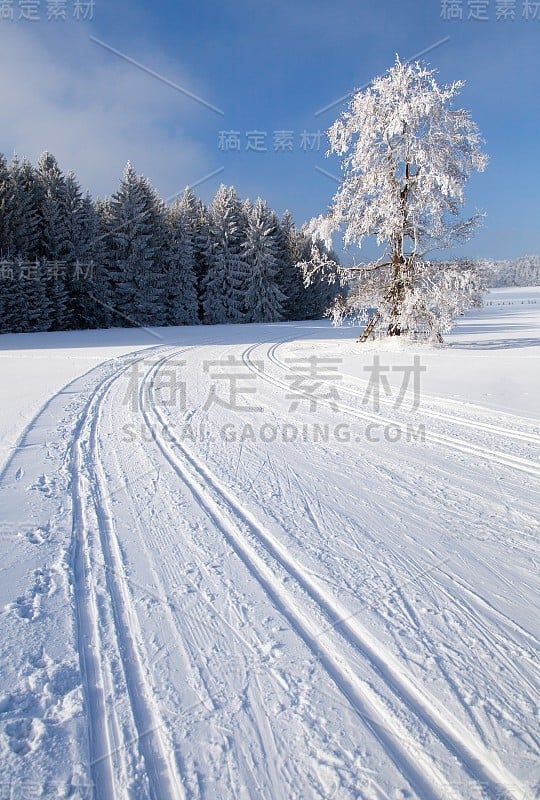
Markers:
<point>334,596</point>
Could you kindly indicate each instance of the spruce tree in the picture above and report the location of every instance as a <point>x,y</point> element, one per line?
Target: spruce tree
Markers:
<point>99,250</point>
<point>67,262</point>
<point>287,277</point>
<point>87,279</point>
<point>136,239</point>
<point>181,282</point>
<point>24,304</point>
<point>4,206</point>
<point>226,281</point>
<point>196,217</point>
<point>23,214</point>
<point>264,299</point>
<point>55,245</point>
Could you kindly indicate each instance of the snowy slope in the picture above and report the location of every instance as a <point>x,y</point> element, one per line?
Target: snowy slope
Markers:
<point>328,596</point>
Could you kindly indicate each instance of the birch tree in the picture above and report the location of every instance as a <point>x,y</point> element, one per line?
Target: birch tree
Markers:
<point>407,155</point>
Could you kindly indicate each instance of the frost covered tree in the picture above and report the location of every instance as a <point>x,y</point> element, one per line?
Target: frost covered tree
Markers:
<point>181,282</point>
<point>23,301</point>
<point>318,295</point>
<point>5,191</point>
<point>55,218</point>
<point>136,238</point>
<point>87,276</point>
<point>226,280</point>
<point>22,221</point>
<point>102,288</point>
<point>524,271</point>
<point>56,247</point>
<point>407,154</point>
<point>263,297</point>
<point>314,271</point>
<point>288,278</point>
<point>68,262</point>
<point>72,203</point>
<point>196,217</point>
<point>24,304</point>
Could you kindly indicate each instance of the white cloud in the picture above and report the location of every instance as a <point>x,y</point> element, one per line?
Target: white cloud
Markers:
<point>62,92</point>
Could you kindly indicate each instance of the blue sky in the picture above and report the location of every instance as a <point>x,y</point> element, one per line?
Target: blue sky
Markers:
<point>269,67</point>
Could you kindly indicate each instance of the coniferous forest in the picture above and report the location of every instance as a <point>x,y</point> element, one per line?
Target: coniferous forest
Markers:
<point>69,262</point>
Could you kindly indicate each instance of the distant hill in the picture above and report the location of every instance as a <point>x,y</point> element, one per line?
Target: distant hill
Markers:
<point>523,271</point>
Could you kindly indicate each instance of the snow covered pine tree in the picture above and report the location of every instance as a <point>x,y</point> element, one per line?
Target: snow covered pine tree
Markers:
<point>264,299</point>
<point>408,155</point>
<point>181,296</point>
<point>225,281</point>
<point>136,244</point>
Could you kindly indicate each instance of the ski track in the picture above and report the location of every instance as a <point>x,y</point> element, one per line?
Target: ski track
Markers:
<point>425,779</point>
<point>109,748</point>
<point>488,634</point>
<point>529,435</point>
<point>246,535</point>
<point>102,759</point>
<point>131,744</point>
<point>190,629</point>
<point>452,443</point>
<point>207,638</point>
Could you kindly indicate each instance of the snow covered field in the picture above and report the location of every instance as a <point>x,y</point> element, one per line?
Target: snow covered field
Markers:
<point>332,595</point>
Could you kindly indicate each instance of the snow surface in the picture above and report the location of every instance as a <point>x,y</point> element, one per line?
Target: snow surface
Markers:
<point>203,601</point>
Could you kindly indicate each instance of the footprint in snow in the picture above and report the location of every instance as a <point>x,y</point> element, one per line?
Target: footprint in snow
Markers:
<point>38,535</point>
<point>22,735</point>
<point>28,606</point>
<point>44,485</point>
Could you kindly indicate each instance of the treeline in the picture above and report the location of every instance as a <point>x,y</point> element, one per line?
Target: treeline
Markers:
<point>69,262</point>
<point>524,271</point>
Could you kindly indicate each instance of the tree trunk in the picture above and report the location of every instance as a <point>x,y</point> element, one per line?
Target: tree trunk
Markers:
<point>396,296</point>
